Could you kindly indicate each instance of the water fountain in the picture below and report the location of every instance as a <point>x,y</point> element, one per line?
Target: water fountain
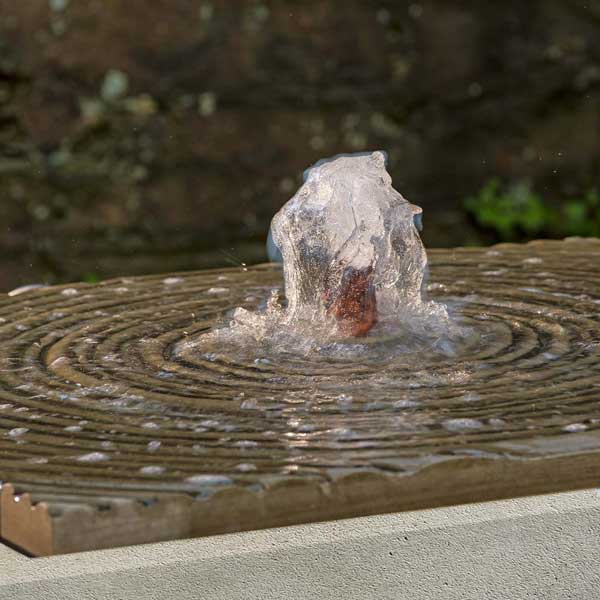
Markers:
<point>161,407</point>
<point>353,264</point>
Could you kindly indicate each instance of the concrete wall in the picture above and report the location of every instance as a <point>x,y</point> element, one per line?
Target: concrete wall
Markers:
<point>544,547</point>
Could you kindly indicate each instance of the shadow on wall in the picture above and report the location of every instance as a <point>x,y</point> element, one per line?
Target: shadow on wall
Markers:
<point>138,137</point>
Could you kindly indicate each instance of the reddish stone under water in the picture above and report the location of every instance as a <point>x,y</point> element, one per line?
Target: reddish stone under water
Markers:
<point>354,304</point>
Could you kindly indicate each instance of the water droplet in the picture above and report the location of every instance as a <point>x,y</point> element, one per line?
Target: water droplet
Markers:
<point>24,289</point>
<point>61,360</point>
<point>201,480</point>
<point>405,403</point>
<point>262,361</point>
<point>306,428</point>
<point>153,446</point>
<point>246,467</point>
<point>464,424</point>
<point>152,470</point>
<point>172,280</point>
<point>73,428</point>
<point>344,433</point>
<point>93,457</point>
<point>250,404</point>
<point>291,469</point>
<point>246,444</point>
<point>17,431</point>
<point>575,427</point>
<point>370,406</point>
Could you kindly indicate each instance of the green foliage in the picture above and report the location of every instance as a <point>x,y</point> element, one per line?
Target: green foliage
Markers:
<point>91,278</point>
<point>582,215</point>
<point>516,212</point>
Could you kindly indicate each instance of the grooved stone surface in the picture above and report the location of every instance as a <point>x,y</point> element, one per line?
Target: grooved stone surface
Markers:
<point>118,430</point>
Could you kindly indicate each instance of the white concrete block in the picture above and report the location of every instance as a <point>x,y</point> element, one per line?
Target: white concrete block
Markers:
<point>545,547</point>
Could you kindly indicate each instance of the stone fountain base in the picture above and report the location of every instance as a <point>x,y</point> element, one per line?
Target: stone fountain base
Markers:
<point>116,430</point>
<point>533,547</point>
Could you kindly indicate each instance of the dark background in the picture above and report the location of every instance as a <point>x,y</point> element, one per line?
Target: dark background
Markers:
<point>142,136</point>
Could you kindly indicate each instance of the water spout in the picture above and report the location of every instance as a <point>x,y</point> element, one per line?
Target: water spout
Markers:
<point>353,262</point>
<point>350,246</point>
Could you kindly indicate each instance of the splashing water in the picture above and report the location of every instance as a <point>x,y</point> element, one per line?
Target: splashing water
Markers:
<point>353,262</point>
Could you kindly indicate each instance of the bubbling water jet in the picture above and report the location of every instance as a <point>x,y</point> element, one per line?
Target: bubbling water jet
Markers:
<point>353,262</point>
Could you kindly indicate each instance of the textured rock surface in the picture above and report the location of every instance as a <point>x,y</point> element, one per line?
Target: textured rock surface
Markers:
<point>131,117</point>
<point>129,434</point>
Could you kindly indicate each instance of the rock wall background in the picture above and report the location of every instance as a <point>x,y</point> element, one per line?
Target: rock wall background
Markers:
<point>152,136</point>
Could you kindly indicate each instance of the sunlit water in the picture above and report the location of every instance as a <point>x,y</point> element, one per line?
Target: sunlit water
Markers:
<point>354,272</point>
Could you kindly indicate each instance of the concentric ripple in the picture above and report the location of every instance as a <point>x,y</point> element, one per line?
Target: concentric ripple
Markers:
<point>105,387</point>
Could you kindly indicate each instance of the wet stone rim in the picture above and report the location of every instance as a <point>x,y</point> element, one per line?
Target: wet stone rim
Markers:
<point>95,396</point>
